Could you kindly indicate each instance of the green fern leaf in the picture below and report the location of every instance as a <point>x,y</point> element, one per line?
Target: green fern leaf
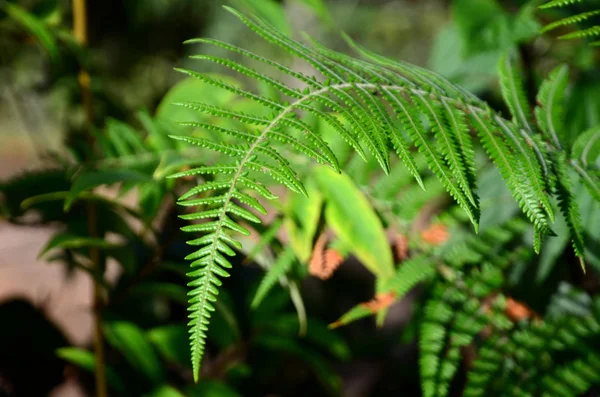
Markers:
<point>549,112</point>
<point>559,3</point>
<point>281,266</point>
<point>510,169</point>
<point>586,148</point>
<point>574,19</point>
<point>568,205</point>
<point>356,99</point>
<point>514,94</point>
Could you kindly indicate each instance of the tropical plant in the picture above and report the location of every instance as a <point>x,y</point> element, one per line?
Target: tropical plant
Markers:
<point>379,105</point>
<point>484,223</point>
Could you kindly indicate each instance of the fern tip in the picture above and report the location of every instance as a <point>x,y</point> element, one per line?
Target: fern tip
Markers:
<point>582,264</point>
<point>194,41</point>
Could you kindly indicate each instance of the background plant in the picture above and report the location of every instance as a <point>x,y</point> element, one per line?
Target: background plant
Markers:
<point>488,315</point>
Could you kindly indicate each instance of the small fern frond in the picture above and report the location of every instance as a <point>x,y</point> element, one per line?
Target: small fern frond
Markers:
<point>280,267</point>
<point>572,379</point>
<point>549,112</point>
<point>511,171</point>
<point>514,93</point>
<point>559,3</point>
<point>586,148</point>
<point>581,34</point>
<point>449,148</point>
<point>533,165</point>
<point>571,20</point>
<point>590,32</point>
<point>568,206</point>
<point>523,348</point>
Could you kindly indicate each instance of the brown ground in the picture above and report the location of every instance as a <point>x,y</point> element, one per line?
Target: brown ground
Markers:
<point>22,274</point>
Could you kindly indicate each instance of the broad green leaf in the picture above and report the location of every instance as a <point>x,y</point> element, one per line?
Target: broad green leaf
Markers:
<point>175,292</point>
<point>211,388</point>
<point>317,333</point>
<point>355,222</point>
<point>191,89</point>
<point>320,9</point>
<point>91,179</point>
<point>552,250</point>
<point>85,360</point>
<point>151,198</point>
<point>34,26</point>
<point>225,329</point>
<point>302,219</point>
<point>315,360</point>
<point>165,391</point>
<point>271,11</point>
<point>67,240</point>
<point>131,341</point>
<point>171,341</point>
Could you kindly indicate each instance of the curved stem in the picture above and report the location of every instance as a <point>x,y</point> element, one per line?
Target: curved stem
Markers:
<point>80,33</point>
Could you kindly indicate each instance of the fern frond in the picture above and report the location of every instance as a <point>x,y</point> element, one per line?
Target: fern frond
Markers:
<point>453,317</point>
<point>509,364</point>
<point>589,32</point>
<point>412,124</point>
<point>586,148</point>
<point>559,3</point>
<point>511,171</point>
<point>571,20</point>
<point>514,93</point>
<point>532,162</point>
<point>281,266</point>
<point>572,379</point>
<point>433,335</point>
<point>580,34</point>
<point>549,111</point>
<point>568,205</point>
<point>356,99</point>
<point>591,182</point>
<point>448,147</point>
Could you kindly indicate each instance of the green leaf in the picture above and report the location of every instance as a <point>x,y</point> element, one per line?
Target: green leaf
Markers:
<point>171,343</point>
<point>91,179</point>
<point>175,292</point>
<point>514,93</point>
<point>410,273</point>
<point>131,341</point>
<point>586,147</point>
<point>353,220</point>
<point>70,241</point>
<point>165,391</point>
<point>211,388</point>
<point>34,26</point>
<point>549,112</point>
<point>190,89</point>
<point>319,7</point>
<point>85,360</point>
<point>302,219</point>
<point>270,10</point>
<point>280,267</point>
<point>356,313</point>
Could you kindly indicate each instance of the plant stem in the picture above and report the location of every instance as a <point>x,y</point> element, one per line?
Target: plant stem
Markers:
<point>97,304</point>
<point>80,33</point>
